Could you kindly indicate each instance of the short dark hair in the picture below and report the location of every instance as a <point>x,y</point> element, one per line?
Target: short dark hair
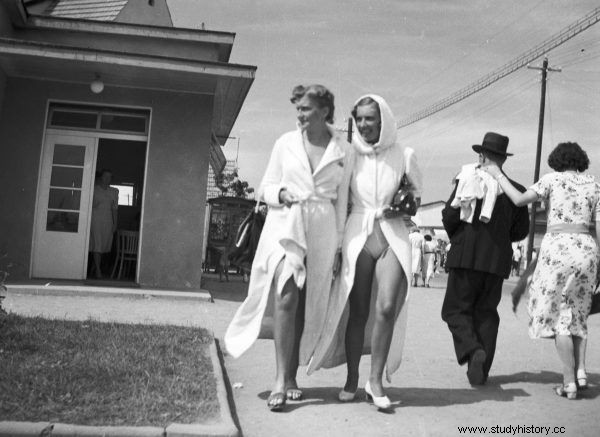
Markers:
<point>365,101</point>
<point>321,95</point>
<point>568,156</point>
<point>102,171</point>
<point>495,157</point>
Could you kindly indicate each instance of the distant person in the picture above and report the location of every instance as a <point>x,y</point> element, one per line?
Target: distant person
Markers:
<point>429,258</point>
<point>105,206</point>
<point>565,274</point>
<point>516,261</point>
<point>306,187</point>
<point>417,242</point>
<point>478,261</point>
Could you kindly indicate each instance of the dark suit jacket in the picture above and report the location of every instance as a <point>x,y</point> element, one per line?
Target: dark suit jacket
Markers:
<point>485,247</point>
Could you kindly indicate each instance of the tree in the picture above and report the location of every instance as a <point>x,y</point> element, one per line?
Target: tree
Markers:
<point>229,183</point>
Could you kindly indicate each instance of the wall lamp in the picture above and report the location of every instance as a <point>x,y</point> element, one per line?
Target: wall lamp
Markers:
<point>97,86</point>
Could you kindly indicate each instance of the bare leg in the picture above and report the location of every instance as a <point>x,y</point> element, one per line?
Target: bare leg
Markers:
<point>290,382</point>
<point>580,345</point>
<point>360,298</point>
<point>285,306</point>
<point>391,294</point>
<point>564,347</point>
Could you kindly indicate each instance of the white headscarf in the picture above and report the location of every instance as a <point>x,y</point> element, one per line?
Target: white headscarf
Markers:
<point>387,135</point>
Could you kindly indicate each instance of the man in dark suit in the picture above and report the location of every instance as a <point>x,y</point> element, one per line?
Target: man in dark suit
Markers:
<point>479,259</point>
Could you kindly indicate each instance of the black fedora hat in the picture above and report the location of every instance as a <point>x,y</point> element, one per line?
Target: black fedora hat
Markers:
<point>494,143</point>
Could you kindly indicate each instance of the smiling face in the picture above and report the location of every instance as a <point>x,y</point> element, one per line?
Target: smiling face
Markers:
<point>368,122</point>
<point>309,114</point>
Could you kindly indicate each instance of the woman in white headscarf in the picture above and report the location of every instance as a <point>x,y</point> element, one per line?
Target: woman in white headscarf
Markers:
<point>306,187</point>
<point>367,311</point>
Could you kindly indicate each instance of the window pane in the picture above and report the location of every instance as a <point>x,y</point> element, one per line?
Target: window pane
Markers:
<point>66,177</point>
<point>123,123</point>
<point>125,194</point>
<point>69,155</point>
<point>64,199</point>
<point>74,119</point>
<point>62,221</point>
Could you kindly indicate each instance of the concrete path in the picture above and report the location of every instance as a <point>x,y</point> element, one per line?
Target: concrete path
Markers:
<point>430,392</point>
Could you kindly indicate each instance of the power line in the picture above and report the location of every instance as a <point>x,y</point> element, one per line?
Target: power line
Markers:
<point>520,61</point>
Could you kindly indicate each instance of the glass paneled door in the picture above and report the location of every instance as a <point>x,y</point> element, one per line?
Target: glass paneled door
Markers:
<point>63,209</point>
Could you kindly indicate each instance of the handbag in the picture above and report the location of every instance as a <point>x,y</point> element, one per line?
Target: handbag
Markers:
<point>246,239</point>
<point>404,202</point>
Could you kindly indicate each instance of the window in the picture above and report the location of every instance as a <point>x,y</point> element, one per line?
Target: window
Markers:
<point>126,194</point>
<point>84,117</point>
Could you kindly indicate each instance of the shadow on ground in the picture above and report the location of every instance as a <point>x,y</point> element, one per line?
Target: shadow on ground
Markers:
<point>234,290</point>
<point>407,397</point>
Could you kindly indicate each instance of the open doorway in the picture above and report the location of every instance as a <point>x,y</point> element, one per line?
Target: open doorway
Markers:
<point>126,160</point>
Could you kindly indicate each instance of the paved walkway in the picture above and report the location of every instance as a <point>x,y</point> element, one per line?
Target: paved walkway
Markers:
<point>435,396</point>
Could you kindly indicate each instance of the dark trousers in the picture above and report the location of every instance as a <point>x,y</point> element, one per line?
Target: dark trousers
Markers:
<point>470,310</point>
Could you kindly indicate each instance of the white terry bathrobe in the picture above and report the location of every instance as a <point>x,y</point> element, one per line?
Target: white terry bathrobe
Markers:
<point>376,177</point>
<point>311,230</point>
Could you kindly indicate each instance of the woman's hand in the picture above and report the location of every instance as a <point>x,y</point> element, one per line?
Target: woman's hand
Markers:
<point>287,198</point>
<point>491,168</point>
<point>337,262</point>
<point>390,211</point>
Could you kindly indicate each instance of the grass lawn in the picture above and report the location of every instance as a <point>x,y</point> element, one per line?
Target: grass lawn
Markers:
<point>92,373</point>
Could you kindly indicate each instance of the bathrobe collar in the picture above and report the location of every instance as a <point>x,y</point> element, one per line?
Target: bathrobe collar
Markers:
<point>333,151</point>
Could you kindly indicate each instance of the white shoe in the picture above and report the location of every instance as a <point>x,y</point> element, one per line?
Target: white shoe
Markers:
<point>346,396</point>
<point>381,402</point>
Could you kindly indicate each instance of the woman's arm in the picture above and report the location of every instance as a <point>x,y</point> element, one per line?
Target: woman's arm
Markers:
<point>518,198</point>
<point>115,209</point>
<point>271,185</point>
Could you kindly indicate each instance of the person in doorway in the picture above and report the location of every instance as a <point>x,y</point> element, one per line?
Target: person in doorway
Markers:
<point>478,261</point>
<point>306,187</point>
<point>565,275</point>
<point>105,206</point>
<point>367,311</point>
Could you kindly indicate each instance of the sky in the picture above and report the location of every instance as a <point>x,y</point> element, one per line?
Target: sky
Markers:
<point>413,53</point>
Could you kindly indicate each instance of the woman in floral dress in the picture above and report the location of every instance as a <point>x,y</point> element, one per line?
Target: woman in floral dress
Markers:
<point>565,276</point>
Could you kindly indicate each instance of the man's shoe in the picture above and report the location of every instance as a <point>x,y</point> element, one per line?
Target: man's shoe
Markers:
<point>475,371</point>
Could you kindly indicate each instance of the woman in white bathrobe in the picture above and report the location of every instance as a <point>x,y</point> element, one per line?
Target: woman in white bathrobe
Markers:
<point>367,312</point>
<point>306,187</point>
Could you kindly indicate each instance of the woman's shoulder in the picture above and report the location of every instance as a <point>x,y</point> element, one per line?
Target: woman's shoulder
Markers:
<point>288,137</point>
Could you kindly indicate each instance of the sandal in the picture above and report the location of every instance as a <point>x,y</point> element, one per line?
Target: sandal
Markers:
<point>294,394</point>
<point>276,401</point>
<point>569,390</point>
<point>582,383</point>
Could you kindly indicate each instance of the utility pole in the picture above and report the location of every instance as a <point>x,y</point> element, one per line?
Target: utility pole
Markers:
<point>536,175</point>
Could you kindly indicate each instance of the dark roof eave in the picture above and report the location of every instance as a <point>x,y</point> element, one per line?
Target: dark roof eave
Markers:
<point>118,28</point>
<point>17,46</point>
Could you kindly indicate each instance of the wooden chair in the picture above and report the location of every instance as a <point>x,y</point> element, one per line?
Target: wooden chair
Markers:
<point>127,251</point>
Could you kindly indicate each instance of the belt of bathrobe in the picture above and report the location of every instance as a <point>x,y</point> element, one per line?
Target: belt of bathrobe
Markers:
<point>371,214</point>
<point>315,198</point>
<point>568,228</point>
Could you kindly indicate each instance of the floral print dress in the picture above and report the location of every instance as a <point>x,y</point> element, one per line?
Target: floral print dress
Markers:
<point>565,275</point>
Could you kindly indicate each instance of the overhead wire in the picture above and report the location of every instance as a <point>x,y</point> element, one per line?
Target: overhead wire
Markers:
<point>475,111</point>
<point>486,24</point>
